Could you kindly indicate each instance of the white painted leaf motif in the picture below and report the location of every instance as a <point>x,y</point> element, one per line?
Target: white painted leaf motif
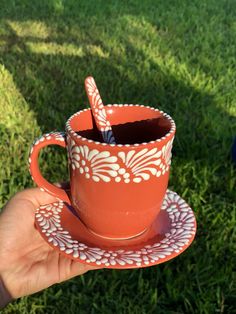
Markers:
<point>91,86</point>
<point>173,242</point>
<point>104,166</point>
<point>167,153</point>
<point>146,163</point>
<point>166,156</point>
<point>94,164</point>
<point>60,136</point>
<point>103,155</point>
<point>96,98</point>
<point>100,176</point>
<point>102,118</point>
<point>142,163</point>
<point>100,165</point>
<point>92,153</point>
<point>73,154</point>
<point>99,110</point>
<point>137,180</point>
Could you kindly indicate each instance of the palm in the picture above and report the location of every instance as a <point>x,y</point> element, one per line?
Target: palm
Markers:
<point>27,263</point>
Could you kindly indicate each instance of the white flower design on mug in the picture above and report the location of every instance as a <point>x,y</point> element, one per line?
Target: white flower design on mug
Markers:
<point>142,164</point>
<point>166,155</point>
<point>73,153</point>
<point>92,163</point>
<point>135,166</point>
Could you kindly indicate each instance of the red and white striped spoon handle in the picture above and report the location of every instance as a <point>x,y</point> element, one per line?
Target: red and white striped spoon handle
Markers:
<point>98,110</point>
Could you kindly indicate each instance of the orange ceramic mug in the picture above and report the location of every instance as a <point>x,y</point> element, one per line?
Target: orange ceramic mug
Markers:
<point>116,189</point>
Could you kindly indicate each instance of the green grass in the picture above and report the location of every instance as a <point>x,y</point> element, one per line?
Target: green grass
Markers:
<point>176,55</point>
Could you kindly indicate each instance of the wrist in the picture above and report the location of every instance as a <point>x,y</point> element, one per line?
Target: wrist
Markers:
<point>5,296</point>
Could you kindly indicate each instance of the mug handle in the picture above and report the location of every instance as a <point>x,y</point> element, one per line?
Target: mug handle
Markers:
<point>53,138</point>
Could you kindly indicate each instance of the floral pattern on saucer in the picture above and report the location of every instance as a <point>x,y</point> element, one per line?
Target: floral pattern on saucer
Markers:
<point>180,235</point>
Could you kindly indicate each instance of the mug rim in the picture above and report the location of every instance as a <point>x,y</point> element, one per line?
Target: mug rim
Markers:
<point>84,139</point>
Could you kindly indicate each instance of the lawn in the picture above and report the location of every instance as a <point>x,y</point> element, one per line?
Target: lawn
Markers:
<point>178,56</point>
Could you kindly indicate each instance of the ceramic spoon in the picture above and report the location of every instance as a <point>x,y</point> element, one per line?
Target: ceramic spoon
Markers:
<point>99,111</point>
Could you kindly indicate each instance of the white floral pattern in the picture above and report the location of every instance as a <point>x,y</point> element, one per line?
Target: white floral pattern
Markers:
<point>99,111</point>
<point>92,163</point>
<point>58,136</point>
<point>179,237</point>
<point>166,157</point>
<point>134,166</point>
<point>73,153</point>
<point>143,163</point>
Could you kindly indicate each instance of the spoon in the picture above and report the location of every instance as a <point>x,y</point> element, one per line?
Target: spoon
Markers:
<point>98,110</point>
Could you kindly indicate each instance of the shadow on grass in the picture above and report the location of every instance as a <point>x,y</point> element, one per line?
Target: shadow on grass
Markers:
<point>53,85</point>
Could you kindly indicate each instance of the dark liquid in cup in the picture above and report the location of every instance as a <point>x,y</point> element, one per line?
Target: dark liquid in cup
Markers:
<point>133,132</point>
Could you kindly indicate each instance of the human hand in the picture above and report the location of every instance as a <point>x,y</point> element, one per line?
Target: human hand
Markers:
<point>27,263</point>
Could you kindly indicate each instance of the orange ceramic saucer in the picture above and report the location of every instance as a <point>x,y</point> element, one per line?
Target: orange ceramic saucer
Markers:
<point>170,234</point>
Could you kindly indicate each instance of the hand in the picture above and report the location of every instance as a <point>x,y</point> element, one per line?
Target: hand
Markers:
<point>27,263</point>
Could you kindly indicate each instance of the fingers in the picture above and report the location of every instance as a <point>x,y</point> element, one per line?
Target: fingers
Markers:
<point>38,197</point>
<point>69,268</point>
<point>35,196</point>
<point>80,269</point>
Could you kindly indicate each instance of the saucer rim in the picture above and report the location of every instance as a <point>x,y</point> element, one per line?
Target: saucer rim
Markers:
<point>172,255</point>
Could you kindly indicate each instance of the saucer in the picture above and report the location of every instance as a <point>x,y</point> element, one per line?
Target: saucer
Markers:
<point>171,233</point>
